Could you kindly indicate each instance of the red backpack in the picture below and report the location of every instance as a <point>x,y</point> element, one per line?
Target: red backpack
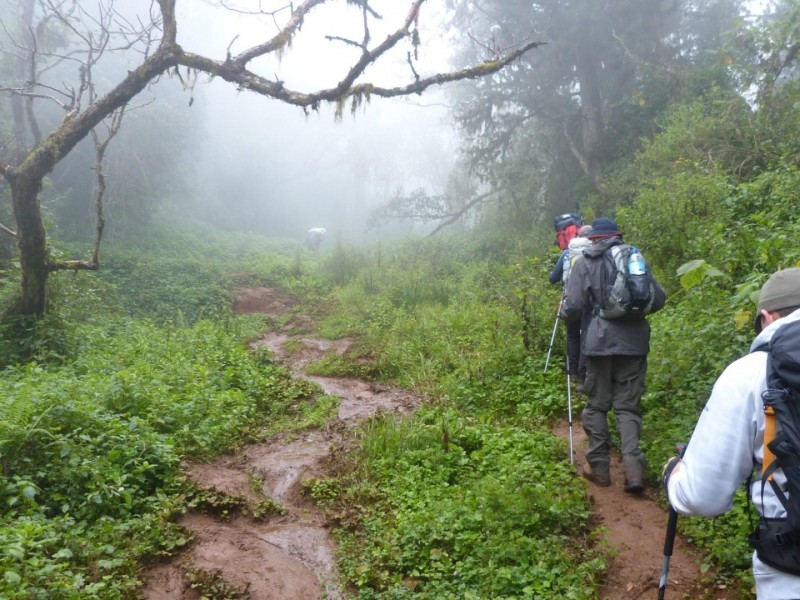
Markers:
<point>567,227</point>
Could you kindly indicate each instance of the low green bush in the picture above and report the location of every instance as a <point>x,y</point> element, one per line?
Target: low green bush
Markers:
<point>90,450</point>
<point>486,512</point>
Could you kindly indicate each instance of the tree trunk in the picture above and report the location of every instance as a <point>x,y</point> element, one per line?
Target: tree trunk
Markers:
<point>591,112</point>
<point>26,179</point>
<point>32,241</point>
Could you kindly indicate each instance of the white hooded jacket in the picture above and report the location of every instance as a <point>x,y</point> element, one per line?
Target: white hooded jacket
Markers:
<point>725,448</point>
<point>575,249</point>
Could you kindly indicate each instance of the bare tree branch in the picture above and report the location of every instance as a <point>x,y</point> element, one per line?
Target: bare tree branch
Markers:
<point>8,231</point>
<point>282,38</point>
<point>336,38</point>
<point>462,211</point>
<point>250,81</point>
<point>411,66</point>
<point>100,190</point>
<point>420,206</point>
<point>23,93</point>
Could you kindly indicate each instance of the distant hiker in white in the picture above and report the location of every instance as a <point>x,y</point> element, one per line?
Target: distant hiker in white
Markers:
<point>314,237</point>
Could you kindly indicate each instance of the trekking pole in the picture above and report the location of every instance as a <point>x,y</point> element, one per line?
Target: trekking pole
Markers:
<point>669,540</point>
<point>553,337</point>
<point>569,414</point>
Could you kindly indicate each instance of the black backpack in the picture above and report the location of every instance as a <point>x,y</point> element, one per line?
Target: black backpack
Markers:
<point>625,294</point>
<point>777,541</point>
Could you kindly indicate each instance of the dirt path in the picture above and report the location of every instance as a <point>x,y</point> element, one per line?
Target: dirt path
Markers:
<point>634,527</point>
<point>290,556</point>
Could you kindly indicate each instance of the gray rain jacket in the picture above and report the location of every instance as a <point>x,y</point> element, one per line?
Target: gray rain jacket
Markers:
<point>603,337</point>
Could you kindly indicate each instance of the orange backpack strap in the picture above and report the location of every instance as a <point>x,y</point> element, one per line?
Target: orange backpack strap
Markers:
<point>769,435</point>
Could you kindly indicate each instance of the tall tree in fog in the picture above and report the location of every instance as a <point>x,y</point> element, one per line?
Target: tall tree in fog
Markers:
<point>581,103</point>
<point>63,32</point>
<point>767,54</point>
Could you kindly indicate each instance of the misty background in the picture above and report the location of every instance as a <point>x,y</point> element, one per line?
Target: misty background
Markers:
<point>244,162</point>
<point>538,139</point>
<point>269,168</point>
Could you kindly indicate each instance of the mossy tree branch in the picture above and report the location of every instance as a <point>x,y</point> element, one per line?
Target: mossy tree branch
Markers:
<point>26,169</point>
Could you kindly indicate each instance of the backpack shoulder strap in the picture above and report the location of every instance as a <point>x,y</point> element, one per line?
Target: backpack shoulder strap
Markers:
<point>761,348</point>
<point>782,415</point>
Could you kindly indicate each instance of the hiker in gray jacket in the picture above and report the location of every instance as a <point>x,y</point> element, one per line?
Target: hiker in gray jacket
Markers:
<point>616,362</point>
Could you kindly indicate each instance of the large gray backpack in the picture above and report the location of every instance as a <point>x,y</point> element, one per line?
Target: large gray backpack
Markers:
<point>627,293</point>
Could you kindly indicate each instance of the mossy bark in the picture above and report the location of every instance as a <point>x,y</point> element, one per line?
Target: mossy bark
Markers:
<point>25,179</point>
<point>32,241</point>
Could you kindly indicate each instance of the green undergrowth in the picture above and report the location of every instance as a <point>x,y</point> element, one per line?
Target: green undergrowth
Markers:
<point>305,415</point>
<point>90,451</point>
<point>134,370</point>
<point>480,350</point>
<point>473,497</point>
<point>192,276</point>
<point>461,510</point>
<point>466,349</point>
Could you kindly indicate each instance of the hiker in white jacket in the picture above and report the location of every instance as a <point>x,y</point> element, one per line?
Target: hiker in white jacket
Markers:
<point>728,442</point>
<point>315,237</point>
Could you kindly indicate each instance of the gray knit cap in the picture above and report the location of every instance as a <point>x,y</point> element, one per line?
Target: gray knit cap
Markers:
<point>782,290</point>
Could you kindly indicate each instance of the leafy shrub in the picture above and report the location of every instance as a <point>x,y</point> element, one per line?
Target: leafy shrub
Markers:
<point>491,513</point>
<point>73,299</point>
<point>90,450</point>
<point>167,289</point>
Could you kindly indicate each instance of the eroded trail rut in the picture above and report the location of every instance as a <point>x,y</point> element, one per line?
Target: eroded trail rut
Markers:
<point>291,556</point>
<point>634,526</point>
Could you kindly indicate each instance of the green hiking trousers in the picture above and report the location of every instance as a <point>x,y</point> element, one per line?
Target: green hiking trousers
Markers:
<point>614,382</point>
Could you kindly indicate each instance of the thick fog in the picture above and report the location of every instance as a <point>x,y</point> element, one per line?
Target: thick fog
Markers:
<point>243,161</point>
<point>267,167</point>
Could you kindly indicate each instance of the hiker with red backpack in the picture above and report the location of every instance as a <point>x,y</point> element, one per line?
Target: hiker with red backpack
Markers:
<point>752,421</point>
<point>567,227</point>
<point>612,289</point>
<point>576,360</point>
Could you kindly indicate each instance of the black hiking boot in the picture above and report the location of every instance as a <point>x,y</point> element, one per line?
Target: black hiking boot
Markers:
<point>601,479</point>
<point>633,483</point>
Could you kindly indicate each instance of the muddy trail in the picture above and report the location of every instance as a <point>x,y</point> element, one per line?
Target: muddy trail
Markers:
<point>634,527</point>
<point>290,554</point>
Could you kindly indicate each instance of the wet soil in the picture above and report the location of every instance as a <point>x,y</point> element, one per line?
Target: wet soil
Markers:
<point>291,555</point>
<point>288,556</point>
<point>634,528</point>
